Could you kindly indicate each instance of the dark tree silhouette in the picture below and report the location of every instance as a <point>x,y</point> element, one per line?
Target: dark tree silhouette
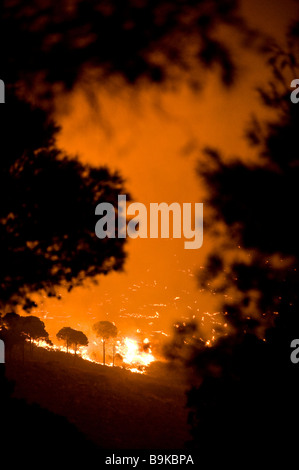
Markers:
<point>12,334</point>
<point>182,342</point>
<point>137,39</point>
<point>105,330</point>
<point>47,237</point>
<point>12,321</point>
<point>34,328</point>
<point>16,329</point>
<point>72,338</point>
<point>248,384</point>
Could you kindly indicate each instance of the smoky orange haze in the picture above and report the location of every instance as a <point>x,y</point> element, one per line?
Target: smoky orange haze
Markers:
<point>154,138</point>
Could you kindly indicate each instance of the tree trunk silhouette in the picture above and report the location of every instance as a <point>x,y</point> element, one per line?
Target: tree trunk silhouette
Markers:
<point>103,352</point>
<point>113,354</point>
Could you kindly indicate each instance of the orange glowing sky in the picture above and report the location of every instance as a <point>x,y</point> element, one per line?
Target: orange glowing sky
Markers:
<point>154,138</point>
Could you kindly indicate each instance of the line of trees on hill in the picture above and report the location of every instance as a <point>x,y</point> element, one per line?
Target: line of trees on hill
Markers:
<point>16,330</point>
<point>75,339</point>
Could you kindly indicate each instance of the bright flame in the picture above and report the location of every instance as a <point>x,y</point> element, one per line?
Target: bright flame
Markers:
<point>128,348</point>
<point>131,353</point>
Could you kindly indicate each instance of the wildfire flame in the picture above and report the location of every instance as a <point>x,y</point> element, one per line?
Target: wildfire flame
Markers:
<point>131,354</point>
<point>133,357</point>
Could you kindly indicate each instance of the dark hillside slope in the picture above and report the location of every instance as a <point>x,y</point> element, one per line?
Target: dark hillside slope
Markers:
<point>112,407</point>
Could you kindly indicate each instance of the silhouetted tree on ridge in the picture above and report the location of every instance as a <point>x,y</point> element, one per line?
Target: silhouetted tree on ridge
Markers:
<point>105,330</point>
<point>12,334</point>
<point>16,329</point>
<point>34,328</point>
<point>72,338</point>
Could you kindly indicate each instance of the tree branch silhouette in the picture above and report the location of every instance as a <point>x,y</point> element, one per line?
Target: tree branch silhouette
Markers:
<point>247,381</point>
